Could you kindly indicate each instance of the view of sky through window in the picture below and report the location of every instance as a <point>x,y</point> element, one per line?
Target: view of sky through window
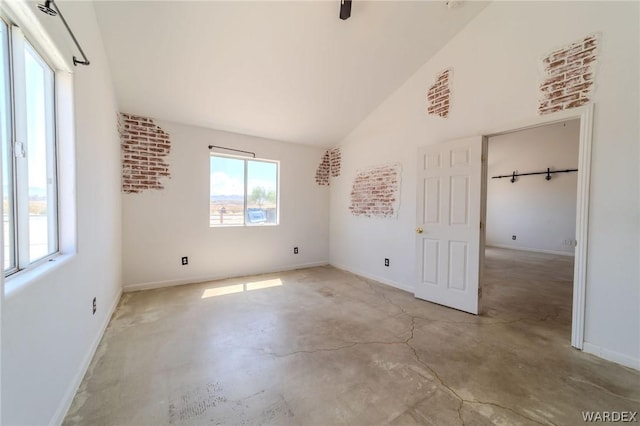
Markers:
<point>36,75</point>
<point>228,198</point>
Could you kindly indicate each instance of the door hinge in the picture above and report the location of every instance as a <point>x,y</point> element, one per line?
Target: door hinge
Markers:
<point>479,292</point>
<point>481,225</point>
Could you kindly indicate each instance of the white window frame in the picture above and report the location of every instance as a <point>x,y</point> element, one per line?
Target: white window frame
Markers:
<point>19,203</point>
<point>246,194</point>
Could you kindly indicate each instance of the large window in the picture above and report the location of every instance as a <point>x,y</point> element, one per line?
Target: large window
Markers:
<point>27,134</point>
<point>242,192</point>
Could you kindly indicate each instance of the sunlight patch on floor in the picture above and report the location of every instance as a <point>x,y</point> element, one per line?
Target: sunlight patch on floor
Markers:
<point>239,288</point>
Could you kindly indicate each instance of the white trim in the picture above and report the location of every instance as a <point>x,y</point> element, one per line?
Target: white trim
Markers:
<point>533,250</point>
<point>610,355</point>
<point>381,280</point>
<point>214,277</point>
<point>67,399</point>
<point>540,121</point>
<point>585,114</point>
<point>582,228</point>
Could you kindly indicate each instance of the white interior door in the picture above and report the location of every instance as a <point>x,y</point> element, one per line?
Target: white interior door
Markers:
<point>448,228</point>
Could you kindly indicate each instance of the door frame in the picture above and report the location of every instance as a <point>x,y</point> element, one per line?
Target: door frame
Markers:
<point>585,115</point>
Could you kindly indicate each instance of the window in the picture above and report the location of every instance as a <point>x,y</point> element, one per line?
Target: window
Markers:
<point>27,134</point>
<point>242,192</point>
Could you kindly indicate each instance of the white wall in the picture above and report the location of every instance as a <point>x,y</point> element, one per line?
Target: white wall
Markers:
<point>495,87</point>
<point>540,213</point>
<point>48,330</point>
<point>161,226</point>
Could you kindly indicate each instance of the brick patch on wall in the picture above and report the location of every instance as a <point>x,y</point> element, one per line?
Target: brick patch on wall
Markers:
<point>144,148</point>
<point>329,166</point>
<point>335,157</point>
<point>568,76</point>
<point>375,192</point>
<point>439,94</point>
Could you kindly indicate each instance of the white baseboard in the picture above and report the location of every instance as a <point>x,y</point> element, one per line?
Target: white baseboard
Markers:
<point>213,277</point>
<point>609,355</point>
<point>381,280</point>
<point>64,406</point>
<point>560,253</point>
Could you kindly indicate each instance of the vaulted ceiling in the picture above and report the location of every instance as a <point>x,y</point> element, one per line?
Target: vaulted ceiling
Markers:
<point>289,71</point>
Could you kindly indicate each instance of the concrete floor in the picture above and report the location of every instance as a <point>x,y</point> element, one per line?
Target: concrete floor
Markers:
<point>321,346</point>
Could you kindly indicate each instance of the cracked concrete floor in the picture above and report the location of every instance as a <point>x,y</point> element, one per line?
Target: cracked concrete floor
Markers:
<point>321,346</point>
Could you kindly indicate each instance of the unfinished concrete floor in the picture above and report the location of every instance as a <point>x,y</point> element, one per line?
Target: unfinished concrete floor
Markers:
<point>321,346</point>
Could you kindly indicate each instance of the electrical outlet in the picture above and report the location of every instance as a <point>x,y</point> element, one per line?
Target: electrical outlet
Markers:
<point>95,306</point>
<point>513,237</point>
<point>185,260</point>
<point>386,262</point>
<point>295,250</point>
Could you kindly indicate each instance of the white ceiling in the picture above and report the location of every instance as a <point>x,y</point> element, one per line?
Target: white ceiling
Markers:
<point>289,71</point>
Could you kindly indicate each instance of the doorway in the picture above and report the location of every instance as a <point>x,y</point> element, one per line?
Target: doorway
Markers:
<point>531,199</point>
<point>585,117</point>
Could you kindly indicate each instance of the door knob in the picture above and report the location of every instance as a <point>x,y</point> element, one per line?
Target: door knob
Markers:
<point>419,230</point>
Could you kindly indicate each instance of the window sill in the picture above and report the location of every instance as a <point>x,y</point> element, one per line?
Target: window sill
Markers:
<point>17,282</point>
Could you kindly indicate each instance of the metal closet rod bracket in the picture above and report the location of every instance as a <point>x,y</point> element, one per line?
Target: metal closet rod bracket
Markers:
<point>548,174</point>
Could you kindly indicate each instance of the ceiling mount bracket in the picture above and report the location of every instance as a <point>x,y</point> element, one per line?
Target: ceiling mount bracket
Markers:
<point>345,9</point>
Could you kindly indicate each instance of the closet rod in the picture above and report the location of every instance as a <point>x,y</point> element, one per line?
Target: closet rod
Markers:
<point>253,154</point>
<point>534,173</point>
<point>51,8</point>
<point>514,175</point>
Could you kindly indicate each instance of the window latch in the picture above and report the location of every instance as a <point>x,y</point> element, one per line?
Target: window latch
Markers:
<point>18,150</point>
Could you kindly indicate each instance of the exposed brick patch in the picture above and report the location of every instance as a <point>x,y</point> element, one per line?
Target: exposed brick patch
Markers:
<point>329,166</point>
<point>569,76</point>
<point>144,147</point>
<point>439,95</point>
<point>375,192</point>
<point>335,156</point>
<point>322,173</point>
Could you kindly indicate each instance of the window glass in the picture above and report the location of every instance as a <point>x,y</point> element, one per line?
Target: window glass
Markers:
<point>262,192</point>
<point>243,192</point>
<point>227,200</point>
<point>40,156</point>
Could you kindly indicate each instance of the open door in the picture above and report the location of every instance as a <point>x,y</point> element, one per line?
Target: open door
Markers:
<point>448,223</point>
